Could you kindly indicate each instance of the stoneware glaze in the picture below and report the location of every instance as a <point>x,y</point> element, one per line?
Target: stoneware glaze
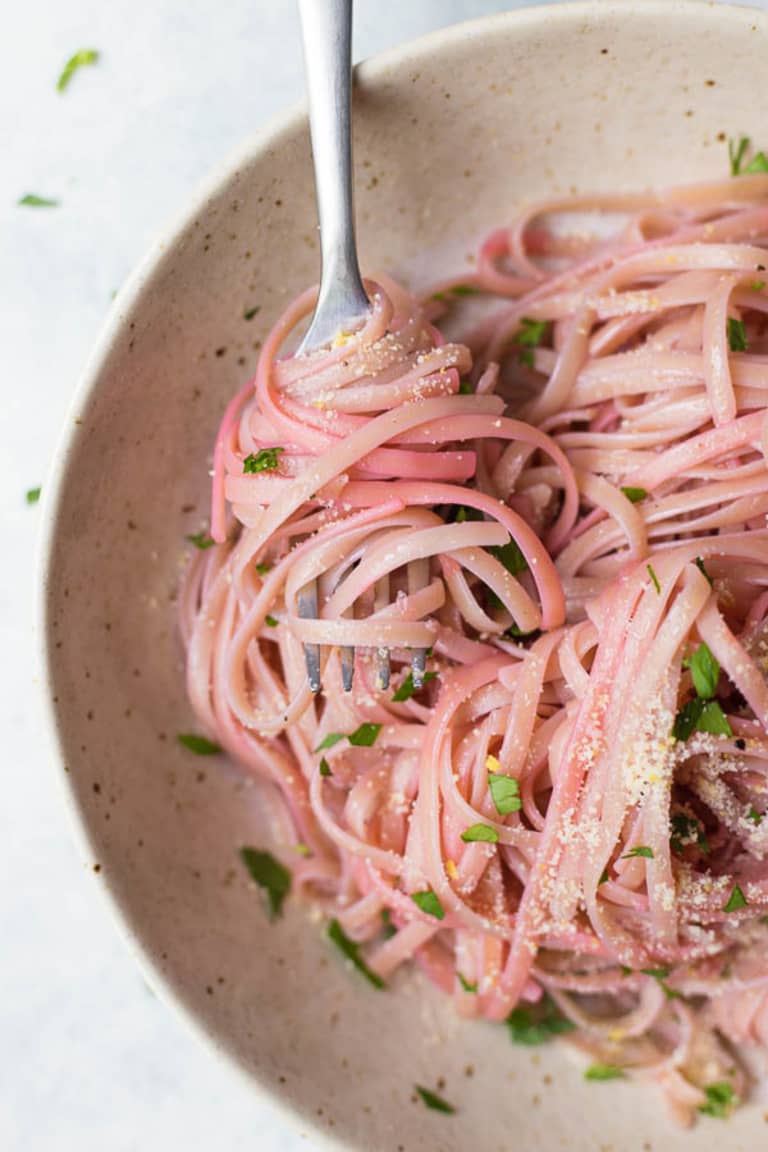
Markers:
<point>450,133</point>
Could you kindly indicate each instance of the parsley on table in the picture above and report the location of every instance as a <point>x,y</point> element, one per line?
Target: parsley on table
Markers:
<point>31,200</point>
<point>81,59</point>
<point>32,495</point>
<point>604,1072</point>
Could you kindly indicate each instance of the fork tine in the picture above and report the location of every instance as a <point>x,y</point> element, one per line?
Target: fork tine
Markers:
<point>418,577</point>
<point>347,667</point>
<point>307,599</point>
<point>381,600</point>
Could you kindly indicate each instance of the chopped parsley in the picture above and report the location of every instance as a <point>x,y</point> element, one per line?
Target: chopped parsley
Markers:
<point>604,877</point>
<point>472,988</point>
<point>537,1023</point>
<point>388,929</point>
<point>407,688</point>
<point>266,460</point>
<point>604,1072</point>
<point>271,621</point>
<point>429,902</point>
<point>200,745</point>
<point>251,312</point>
<point>529,336</point>
<point>705,671</point>
<point>657,973</point>
<point>635,495</point>
<point>481,833</point>
<point>262,569</point>
<point>755,816</point>
<point>654,578</point>
<point>201,540</point>
<point>270,875</point>
<point>351,950</point>
<point>435,1102</point>
<point>465,388</point>
<point>463,513</point>
<point>758,163</point>
<point>700,565</point>
<point>721,1100</point>
<point>33,201</point>
<point>701,716</point>
<point>32,495</point>
<point>737,335</point>
<point>81,59</point>
<point>511,557</point>
<point>365,735</point>
<point>465,290</point>
<point>325,768</point>
<point>757,285</point>
<point>687,830</point>
<point>736,901</point>
<point>505,793</point>
<point>329,741</point>
<point>641,850</point>
<point>736,151</point>
<point>302,849</point>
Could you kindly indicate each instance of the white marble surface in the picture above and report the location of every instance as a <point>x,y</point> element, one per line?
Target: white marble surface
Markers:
<point>89,1059</point>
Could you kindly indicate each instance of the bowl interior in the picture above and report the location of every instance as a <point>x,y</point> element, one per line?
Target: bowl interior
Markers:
<point>451,133</point>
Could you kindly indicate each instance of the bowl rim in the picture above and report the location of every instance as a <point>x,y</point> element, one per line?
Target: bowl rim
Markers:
<point>372,71</point>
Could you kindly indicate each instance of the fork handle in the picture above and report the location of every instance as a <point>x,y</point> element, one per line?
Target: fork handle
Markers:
<point>327,35</point>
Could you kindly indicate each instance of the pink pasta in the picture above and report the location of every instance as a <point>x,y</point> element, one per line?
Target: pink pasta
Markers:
<point>577,796</point>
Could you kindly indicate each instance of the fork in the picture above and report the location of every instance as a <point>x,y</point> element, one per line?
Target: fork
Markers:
<point>342,302</point>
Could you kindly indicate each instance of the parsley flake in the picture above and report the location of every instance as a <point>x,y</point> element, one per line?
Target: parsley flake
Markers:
<point>351,950</point>
<point>435,1102</point>
<point>736,152</point>
<point>700,565</point>
<point>200,745</point>
<point>505,793</point>
<point>604,1072</point>
<point>270,875</point>
<point>262,569</point>
<point>81,59</point>
<point>388,930</point>
<point>757,285</point>
<point>736,900</point>
<point>407,688</point>
<point>687,830</point>
<point>721,1100</point>
<point>365,735</point>
<point>511,556</point>
<point>701,716</point>
<point>537,1023</point>
<point>480,833</point>
<point>201,540</point>
<point>33,201</point>
<point>641,850</point>
<point>271,621</point>
<point>755,816</point>
<point>737,335</point>
<point>325,768</point>
<point>251,312</point>
<point>635,495</point>
<point>429,902</point>
<point>32,495</point>
<point>472,988</point>
<point>705,671</point>
<point>266,460</point>
<point>329,741</point>
<point>654,578</point>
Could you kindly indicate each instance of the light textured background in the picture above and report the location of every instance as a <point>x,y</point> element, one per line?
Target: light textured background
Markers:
<point>89,1059</point>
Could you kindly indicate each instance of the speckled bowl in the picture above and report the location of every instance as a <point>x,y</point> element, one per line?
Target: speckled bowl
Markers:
<point>450,132</point>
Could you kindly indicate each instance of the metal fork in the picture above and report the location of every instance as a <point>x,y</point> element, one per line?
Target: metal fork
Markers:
<point>342,303</point>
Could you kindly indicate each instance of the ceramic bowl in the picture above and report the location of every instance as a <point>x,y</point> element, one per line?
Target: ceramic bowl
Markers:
<point>450,134</point>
